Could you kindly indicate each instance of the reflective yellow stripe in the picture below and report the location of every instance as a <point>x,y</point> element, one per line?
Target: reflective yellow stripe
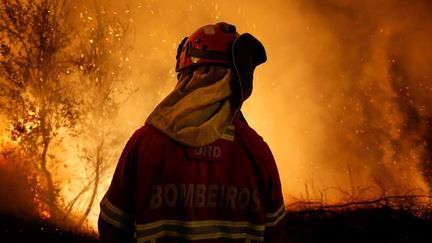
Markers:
<point>115,209</point>
<point>274,218</point>
<point>200,237</point>
<point>227,137</point>
<point>112,221</point>
<point>229,133</point>
<point>115,216</point>
<point>201,223</point>
<point>199,230</point>
<point>278,219</point>
<point>271,215</point>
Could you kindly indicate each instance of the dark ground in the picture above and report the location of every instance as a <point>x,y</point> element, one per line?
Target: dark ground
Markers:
<point>361,225</point>
<point>25,230</point>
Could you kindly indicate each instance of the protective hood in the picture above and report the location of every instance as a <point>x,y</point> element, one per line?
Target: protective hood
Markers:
<point>247,53</point>
<point>199,110</point>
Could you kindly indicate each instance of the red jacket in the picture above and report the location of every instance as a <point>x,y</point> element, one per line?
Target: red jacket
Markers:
<point>228,191</point>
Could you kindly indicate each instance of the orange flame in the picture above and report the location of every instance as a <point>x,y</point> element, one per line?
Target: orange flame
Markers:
<point>41,208</point>
<point>343,100</point>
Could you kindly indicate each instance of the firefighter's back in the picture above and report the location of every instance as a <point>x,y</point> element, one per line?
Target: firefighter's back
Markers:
<point>212,193</point>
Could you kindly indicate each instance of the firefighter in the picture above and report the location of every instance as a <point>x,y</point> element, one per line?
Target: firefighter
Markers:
<point>196,171</point>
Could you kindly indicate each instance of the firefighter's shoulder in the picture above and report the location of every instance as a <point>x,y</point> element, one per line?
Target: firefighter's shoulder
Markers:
<point>249,136</point>
<point>148,133</point>
<point>257,147</point>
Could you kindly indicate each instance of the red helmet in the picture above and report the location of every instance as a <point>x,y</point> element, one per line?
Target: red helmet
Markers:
<point>210,44</point>
<point>221,44</point>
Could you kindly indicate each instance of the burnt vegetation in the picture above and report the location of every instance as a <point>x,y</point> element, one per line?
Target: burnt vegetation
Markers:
<point>61,62</point>
<point>360,217</point>
<point>372,223</point>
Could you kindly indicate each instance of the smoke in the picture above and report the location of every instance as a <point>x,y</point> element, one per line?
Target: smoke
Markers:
<point>343,100</point>
<point>372,87</point>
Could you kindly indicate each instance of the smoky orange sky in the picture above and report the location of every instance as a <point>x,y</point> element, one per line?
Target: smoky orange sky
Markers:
<point>344,100</point>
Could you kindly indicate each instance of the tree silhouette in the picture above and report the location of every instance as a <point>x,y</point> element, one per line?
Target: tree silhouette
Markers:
<point>36,93</point>
<point>102,64</point>
<point>61,67</point>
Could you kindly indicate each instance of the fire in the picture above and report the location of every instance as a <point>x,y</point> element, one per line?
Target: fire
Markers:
<point>343,101</point>
<point>339,100</point>
<point>41,208</point>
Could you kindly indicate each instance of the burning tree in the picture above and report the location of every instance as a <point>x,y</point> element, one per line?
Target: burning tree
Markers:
<point>101,64</point>
<point>36,94</point>
<point>58,82</point>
